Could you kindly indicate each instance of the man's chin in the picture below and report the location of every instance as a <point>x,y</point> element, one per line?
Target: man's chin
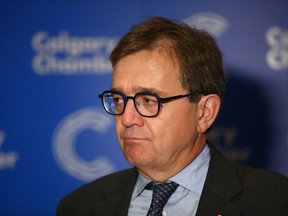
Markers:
<point>138,161</point>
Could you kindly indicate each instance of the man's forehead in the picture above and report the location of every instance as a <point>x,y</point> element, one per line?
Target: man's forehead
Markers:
<point>137,89</point>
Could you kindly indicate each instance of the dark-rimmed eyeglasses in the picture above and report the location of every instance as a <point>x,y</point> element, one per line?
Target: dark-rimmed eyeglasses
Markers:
<point>147,104</point>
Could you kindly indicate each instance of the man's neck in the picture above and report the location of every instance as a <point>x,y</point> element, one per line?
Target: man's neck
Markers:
<point>170,170</point>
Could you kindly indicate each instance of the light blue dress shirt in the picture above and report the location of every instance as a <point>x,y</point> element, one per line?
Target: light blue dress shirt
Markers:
<point>185,199</point>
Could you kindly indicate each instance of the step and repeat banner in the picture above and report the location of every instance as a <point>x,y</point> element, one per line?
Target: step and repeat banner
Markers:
<point>54,134</point>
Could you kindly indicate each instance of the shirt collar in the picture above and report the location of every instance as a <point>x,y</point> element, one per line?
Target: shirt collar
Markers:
<point>140,185</point>
<point>192,177</point>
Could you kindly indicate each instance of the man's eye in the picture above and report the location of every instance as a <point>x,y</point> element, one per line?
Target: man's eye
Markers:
<point>117,100</point>
<point>150,101</point>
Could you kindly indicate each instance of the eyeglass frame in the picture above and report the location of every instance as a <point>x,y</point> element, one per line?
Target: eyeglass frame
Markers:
<point>160,100</point>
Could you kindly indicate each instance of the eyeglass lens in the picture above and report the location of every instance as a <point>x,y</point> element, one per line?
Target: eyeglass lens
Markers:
<point>146,104</point>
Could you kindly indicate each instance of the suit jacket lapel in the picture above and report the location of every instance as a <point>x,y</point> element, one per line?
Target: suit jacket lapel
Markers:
<point>119,195</point>
<point>221,185</point>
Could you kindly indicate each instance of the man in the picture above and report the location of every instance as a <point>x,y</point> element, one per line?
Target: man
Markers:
<point>166,92</point>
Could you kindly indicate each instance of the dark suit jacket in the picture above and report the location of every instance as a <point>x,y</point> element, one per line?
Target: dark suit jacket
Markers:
<point>229,190</point>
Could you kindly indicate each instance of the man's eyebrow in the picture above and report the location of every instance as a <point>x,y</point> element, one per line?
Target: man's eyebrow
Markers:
<point>141,89</point>
<point>148,89</point>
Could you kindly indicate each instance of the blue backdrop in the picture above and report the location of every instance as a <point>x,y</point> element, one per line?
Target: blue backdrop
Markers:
<point>54,135</point>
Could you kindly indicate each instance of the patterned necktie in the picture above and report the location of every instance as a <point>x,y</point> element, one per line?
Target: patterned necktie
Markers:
<point>161,193</point>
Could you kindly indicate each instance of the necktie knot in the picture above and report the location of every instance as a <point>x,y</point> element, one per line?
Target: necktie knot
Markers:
<point>161,193</point>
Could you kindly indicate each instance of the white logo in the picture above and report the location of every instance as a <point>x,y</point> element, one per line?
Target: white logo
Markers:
<point>65,54</point>
<point>64,142</point>
<point>7,159</point>
<point>213,23</point>
<point>277,56</point>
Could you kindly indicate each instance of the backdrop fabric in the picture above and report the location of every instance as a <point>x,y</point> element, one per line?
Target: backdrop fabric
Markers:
<point>54,61</point>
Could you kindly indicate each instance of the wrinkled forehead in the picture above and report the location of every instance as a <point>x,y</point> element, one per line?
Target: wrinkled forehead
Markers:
<point>146,70</point>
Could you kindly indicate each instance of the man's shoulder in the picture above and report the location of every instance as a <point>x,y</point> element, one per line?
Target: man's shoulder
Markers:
<point>264,190</point>
<point>247,175</point>
<point>255,178</point>
<point>252,189</point>
<point>112,182</point>
<point>100,195</point>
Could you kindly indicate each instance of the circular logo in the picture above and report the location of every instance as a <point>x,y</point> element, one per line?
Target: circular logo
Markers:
<point>64,144</point>
<point>213,23</point>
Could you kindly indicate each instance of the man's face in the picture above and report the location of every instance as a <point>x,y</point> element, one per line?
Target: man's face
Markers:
<point>164,143</point>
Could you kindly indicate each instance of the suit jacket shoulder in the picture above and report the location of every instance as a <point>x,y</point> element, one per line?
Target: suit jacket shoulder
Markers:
<point>231,189</point>
<point>109,195</point>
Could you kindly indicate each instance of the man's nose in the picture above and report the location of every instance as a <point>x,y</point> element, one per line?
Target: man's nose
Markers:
<point>131,116</point>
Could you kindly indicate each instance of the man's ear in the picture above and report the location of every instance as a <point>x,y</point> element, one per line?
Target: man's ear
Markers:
<point>208,109</point>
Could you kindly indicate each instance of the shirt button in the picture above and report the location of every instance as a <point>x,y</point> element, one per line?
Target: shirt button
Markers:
<point>164,213</point>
